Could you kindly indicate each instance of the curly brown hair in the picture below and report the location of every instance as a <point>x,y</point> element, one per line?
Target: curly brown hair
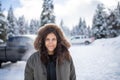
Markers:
<point>61,51</point>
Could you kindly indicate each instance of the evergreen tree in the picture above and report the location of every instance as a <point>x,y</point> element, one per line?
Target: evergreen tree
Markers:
<point>47,15</point>
<point>111,25</point>
<point>84,28</point>
<point>11,28</point>
<point>75,30</point>
<point>32,27</point>
<point>2,25</point>
<point>113,22</point>
<point>34,24</point>
<point>80,29</point>
<point>65,29</point>
<point>21,25</point>
<point>27,27</point>
<point>117,15</point>
<point>89,32</point>
<point>99,22</point>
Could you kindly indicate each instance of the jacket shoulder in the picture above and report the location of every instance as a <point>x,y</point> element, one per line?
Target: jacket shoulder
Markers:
<point>34,56</point>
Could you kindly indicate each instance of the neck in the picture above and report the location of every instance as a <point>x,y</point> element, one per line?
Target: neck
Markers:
<point>50,53</point>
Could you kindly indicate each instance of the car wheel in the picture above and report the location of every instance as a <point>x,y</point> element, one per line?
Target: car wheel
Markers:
<point>0,64</point>
<point>13,61</point>
<point>87,42</point>
<point>22,50</point>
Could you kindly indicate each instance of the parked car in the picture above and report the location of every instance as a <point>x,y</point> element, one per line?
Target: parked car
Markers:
<point>15,48</point>
<point>81,39</point>
<point>1,41</point>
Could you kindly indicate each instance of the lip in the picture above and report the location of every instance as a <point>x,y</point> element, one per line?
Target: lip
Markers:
<point>51,47</point>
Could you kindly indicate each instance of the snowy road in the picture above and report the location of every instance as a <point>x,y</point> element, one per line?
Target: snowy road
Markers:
<point>98,61</point>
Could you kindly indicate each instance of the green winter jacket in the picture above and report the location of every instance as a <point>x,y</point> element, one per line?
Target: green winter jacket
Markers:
<point>36,70</point>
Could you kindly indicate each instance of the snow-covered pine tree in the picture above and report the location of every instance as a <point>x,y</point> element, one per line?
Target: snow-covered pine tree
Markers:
<point>27,27</point>
<point>75,30</point>
<point>47,14</point>
<point>2,25</point>
<point>80,29</point>
<point>84,28</point>
<point>31,28</point>
<point>111,25</point>
<point>11,28</point>
<point>117,14</point>
<point>89,31</point>
<point>34,24</point>
<point>99,22</point>
<point>21,25</point>
<point>65,29</point>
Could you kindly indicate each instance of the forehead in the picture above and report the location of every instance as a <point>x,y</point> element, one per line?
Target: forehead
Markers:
<point>51,35</point>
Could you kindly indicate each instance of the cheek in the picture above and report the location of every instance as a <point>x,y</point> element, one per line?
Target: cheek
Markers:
<point>56,43</point>
<point>46,44</point>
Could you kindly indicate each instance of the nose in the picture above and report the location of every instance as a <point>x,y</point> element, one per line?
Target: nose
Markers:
<point>50,41</point>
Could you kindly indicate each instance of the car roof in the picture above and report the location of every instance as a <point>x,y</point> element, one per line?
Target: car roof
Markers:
<point>29,36</point>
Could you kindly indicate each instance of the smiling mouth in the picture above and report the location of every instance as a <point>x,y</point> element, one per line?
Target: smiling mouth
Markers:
<point>51,47</point>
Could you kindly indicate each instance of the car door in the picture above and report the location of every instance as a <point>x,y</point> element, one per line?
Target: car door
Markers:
<point>2,53</point>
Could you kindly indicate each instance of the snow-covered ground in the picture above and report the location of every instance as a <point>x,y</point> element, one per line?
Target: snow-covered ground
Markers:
<point>97,61</point>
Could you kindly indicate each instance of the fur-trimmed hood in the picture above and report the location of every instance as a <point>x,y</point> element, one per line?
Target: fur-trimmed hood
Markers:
<point>47,27</point>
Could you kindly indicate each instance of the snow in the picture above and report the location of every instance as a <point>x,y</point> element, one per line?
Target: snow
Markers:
<point>97,61</point>
<point>13,71</point>
<point>1,41</point>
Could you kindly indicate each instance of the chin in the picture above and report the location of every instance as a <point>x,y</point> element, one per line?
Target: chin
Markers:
<point>51,50</point>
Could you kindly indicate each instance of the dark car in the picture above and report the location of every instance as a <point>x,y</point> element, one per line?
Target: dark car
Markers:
<point>16,48</point>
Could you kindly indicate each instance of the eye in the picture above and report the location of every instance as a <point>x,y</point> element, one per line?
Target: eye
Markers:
<point>53,39</point>
<point>46,39</point>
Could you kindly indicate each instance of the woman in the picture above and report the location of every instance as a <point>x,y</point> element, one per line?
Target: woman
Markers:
<point>52,61</point>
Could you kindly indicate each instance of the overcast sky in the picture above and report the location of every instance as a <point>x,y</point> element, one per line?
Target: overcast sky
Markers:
<point>68,10</point>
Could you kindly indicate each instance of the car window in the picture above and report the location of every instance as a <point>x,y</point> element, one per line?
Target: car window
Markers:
<point>77,37</point>
<point>19,40</point>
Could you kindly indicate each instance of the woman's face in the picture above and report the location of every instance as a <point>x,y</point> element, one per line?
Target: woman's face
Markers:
<point>51,43</point>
